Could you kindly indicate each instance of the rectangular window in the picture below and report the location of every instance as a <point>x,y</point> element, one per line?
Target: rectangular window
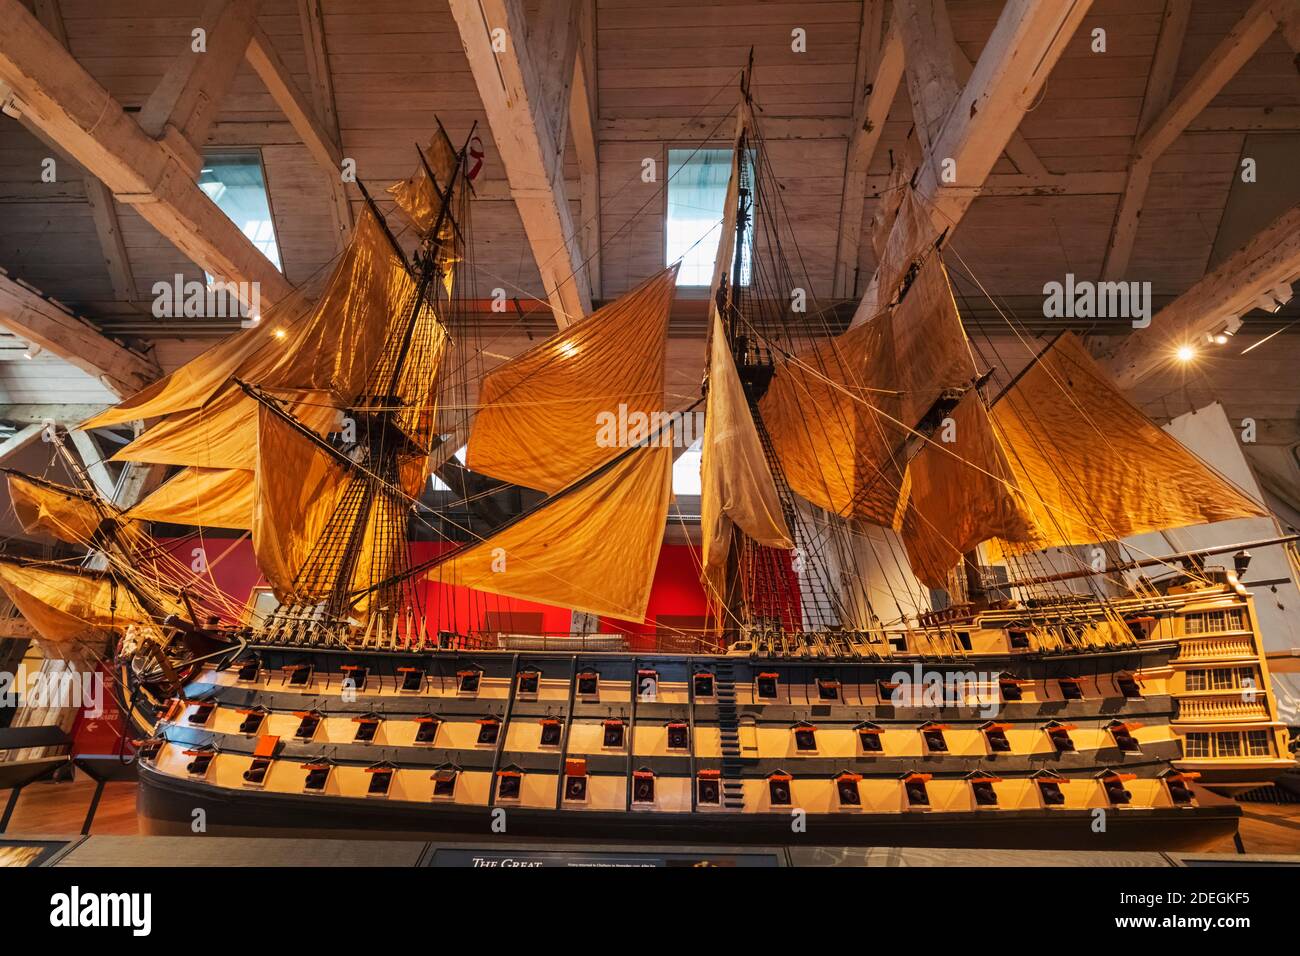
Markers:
<point>1221,678</point>
<point>697,193</point>
<point>1197,745</point>
<point>1227,744</point>
<point>1259,743</point>
<point>1209,622</point>
<point>235,183</point>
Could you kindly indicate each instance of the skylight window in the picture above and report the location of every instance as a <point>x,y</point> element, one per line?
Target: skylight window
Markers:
<point>697,193</point>
<point>234,181</point>
<point>686,470</point>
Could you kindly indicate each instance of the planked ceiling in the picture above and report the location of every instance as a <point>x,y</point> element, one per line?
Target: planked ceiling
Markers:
<point>666,75</point>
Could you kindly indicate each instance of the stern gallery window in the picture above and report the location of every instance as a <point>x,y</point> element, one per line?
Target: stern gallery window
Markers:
<point>697,193</point>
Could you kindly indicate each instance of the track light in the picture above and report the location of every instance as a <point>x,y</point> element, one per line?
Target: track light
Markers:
<point>1226,331</point>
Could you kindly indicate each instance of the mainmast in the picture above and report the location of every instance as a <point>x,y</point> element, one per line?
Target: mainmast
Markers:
<point>394,418</point>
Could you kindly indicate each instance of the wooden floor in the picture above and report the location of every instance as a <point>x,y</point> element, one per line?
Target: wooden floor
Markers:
<point>60,808</point>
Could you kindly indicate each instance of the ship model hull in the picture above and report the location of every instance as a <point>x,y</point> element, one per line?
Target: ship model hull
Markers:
<point>837,706</point>
<point>838,741</point>
<point>166,807</point>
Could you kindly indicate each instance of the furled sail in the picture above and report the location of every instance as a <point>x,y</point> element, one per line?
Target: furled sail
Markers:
<point>1092,466</point>
<point>736,486</point>
<point>593,548</point>
<point>540,416</point>
<point>68,605</point>
<point>203,497</point>
<point>68,514</point>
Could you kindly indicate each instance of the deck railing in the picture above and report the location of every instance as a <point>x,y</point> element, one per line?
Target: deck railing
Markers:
<point>1215,648</point>
<point>1222,707</point>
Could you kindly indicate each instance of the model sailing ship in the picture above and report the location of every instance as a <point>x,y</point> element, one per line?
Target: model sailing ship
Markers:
<point>844,473</point>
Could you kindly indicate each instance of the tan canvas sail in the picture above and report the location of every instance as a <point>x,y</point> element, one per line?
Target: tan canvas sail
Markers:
<point>958,497</point>
<point>736,487</point>
<point>594,549</point>
<point>902,233</point>
<point>198,380</point>
<point>223,433</point>
<point>540,418</point>
<point>420,199</point>
<point>297,488</point>
<point>63,605</point>
<point>321,363</point>
<point>818,411</point>
<point>203,497</point>
<point>68,514</point>
<point>837,412</point>
<point>1092,467</point>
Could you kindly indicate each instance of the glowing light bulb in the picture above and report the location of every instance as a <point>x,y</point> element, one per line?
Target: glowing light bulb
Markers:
<point>1185,353</point>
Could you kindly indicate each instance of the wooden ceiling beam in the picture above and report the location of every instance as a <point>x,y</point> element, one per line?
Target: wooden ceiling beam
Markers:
<point>322,90</point>
<point>20,439</point>
<point>554,40</point>
<point>77,113</point>
<point>879,73</point>
<point>302,115</point>
<point>48,324</point>
<point>57,412</point>
<point>1288,21</point>
<point>932,83</point>
<point>103,211</point>
<point>1269,261</point>
<point>1167,120</point>
<point>511,89</point>
<point>94,461</point>
<point>583,110</point>
<point>184,104</point>
<point>1018,149</point>
<point>1027,40</point>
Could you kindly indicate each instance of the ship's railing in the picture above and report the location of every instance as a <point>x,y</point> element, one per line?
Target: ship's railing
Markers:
<point>1215,648</point>
<point>661,642</point>
<point>1222,707</point>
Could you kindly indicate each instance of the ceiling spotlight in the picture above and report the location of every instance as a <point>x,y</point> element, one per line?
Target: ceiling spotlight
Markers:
<point>1185,353</point>
<point>1220,336</point>
<point>1267,303</point>
<point>279,333</point>
<point>32,352</point>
